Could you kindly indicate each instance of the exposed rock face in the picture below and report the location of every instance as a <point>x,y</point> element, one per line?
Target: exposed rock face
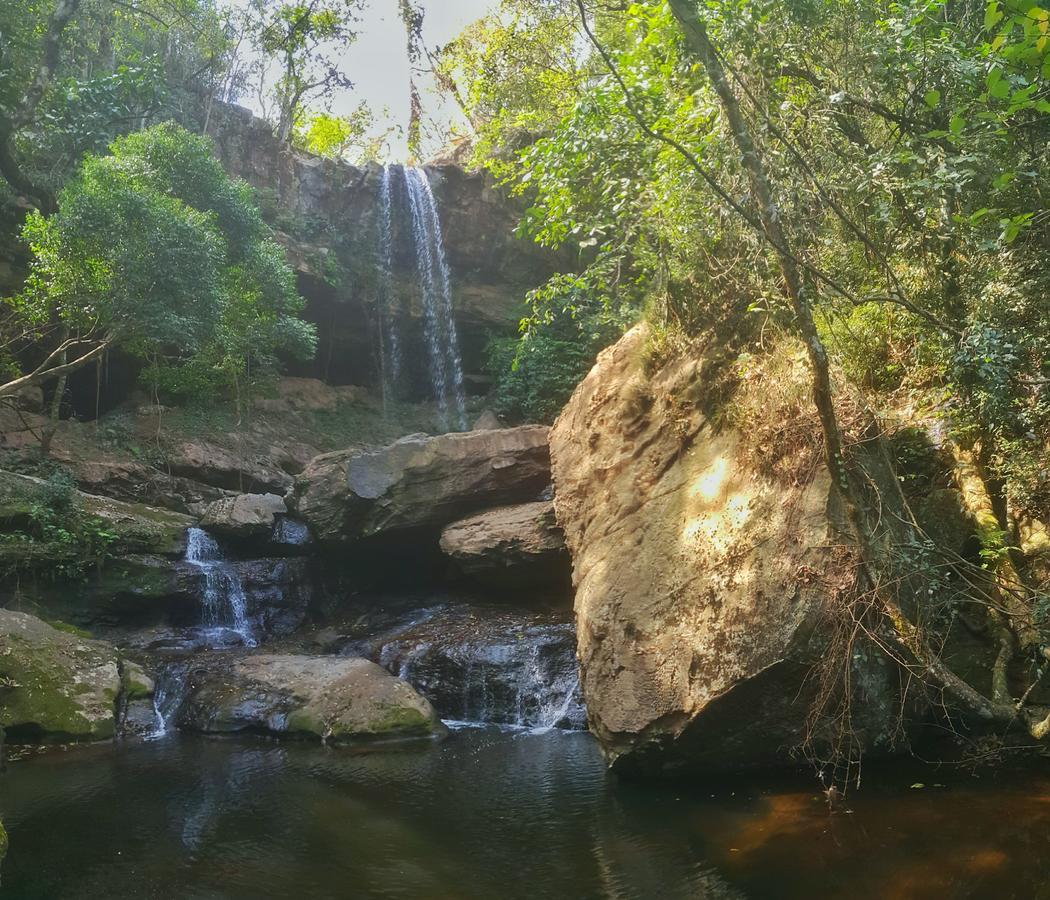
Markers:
<point>510,546</point>
<point>700,585</point>
<point>245,516</point>
<point>324,697</point>
<point>491,268</point>
<point>299,394</point>
<point>56,685</point>
<point>205,462</point>
<point>420,481</point>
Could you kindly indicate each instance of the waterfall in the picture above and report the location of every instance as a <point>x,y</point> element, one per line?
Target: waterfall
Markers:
<point>445,366</point>
<point>225,605</point>
<point>168,693</point>
<point>502,672</point>
<point>389,338</point>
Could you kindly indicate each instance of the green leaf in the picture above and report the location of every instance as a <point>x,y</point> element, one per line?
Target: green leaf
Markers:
<point>932,98</point>
<point>992,15</point>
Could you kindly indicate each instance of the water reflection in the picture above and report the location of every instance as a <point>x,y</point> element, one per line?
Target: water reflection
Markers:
<point>490,814</point>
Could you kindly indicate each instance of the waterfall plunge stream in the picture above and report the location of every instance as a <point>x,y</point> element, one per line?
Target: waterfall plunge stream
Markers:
<point>444,365</point>
<point>225,607</point>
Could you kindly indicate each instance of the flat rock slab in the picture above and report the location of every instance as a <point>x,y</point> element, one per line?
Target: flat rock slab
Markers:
<point>323,697</point>
<point>244,515</point>
<point>421,481</point>
<point>509,544</point>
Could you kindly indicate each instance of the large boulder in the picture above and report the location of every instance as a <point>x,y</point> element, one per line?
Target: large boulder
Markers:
<point>420,481</point>
<point>244,516</point>
<point>57,685</point>
<point>702,586</point>
<point>321,697</point>
<point>511,546</point>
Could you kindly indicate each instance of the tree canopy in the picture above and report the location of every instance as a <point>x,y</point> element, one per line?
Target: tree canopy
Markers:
<point>154,247</point>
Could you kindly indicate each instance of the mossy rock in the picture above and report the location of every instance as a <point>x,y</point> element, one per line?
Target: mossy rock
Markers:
<point>315,697</point>
<point>136,527</point>
<point>136,683</point>
<point>55,686</point>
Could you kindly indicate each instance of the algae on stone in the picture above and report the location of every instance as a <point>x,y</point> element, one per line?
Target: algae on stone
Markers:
<point>55,686</point>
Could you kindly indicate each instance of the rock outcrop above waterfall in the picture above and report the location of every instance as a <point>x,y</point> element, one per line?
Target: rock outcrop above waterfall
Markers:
<point>420,482</point>
<point>244,516</point>
<point>58,685</point>
<point>323,697</point>
<point>517,546</point>
<point>701,586</point>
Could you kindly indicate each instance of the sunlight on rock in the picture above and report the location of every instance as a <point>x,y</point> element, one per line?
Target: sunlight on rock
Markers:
<point>709,483</point>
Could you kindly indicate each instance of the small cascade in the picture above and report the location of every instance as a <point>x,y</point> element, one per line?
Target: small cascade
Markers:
<point>490,669</point>
<point>389,336</point>
<point>289,533</point>
<point>168,693</point>
<point>445,365</point>
<point>225,606</point>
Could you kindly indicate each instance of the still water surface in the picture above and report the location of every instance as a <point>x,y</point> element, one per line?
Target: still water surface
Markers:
<point>491,814</point>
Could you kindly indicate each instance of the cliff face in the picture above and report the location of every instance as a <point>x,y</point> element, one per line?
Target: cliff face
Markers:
<point>326,214</point>
<point>702,588</point>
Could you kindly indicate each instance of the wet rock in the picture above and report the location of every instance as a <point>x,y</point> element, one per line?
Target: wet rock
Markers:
<point>321,697</point>
<point>486,665</point>
<point>245,517</point>
<point>55,685</point>
<point>512,546</point>
<point>290,537</point>
<point>701,587</point>
<point>274,594</point>
<point>420,481</point>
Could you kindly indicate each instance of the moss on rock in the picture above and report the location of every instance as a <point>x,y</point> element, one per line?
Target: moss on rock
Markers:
<point>320,697</point>
<point>55,686</point>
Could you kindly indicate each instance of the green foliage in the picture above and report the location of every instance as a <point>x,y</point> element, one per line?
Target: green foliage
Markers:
<point>304,41</point>
<point>46,531</point>
<point>120,66</point>
<point>910,170</point>
<point>352,138</point>
<point>571,320</point>
<point>156,248</point>
<point>514,73</point>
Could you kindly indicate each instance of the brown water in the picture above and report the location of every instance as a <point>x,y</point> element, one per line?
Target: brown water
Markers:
<point>496,814</point>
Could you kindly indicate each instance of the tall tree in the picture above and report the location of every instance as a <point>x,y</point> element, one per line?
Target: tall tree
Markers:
<point>308,41</point>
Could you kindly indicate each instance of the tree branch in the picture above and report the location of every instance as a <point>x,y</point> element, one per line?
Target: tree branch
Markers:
<point>42,373</point>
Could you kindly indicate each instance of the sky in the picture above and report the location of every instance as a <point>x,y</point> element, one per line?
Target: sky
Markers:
<point>377,62</point>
